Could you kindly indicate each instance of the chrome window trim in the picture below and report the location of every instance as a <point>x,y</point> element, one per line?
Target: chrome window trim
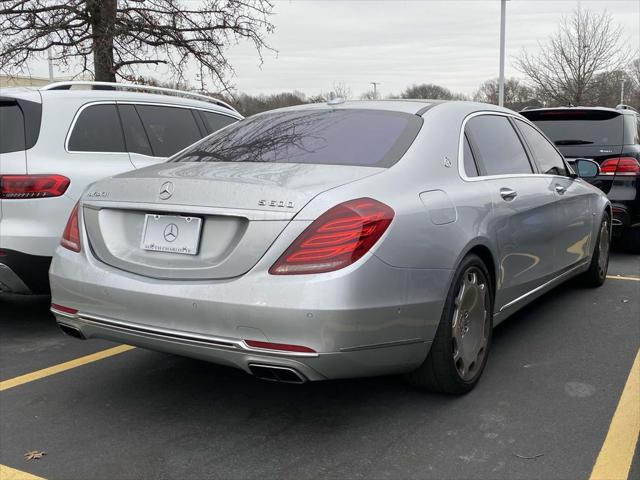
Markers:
<point>463,174</point>
<point>131,102</point>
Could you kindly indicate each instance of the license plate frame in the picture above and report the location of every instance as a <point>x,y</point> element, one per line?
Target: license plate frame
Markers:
<point>171,234</point>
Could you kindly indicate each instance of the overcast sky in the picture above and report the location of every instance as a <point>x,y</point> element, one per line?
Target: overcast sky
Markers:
<point>454,43</point>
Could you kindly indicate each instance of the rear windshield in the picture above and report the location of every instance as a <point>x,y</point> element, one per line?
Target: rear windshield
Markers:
<point>579,127</point>
<point>372,138</point>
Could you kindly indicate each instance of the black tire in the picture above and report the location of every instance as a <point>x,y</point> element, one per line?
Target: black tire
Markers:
<point>440,372</point>
<point>597,273</point>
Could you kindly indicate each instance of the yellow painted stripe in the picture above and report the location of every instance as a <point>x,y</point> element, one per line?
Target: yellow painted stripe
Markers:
<point>8,473</point>
<point>621,277</point>
<point>614,460</point>
<point>62,367</point>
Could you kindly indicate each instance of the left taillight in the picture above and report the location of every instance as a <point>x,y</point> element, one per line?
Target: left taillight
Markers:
<point>620,166</point>
<point>71,234</point>
<point>18,187</point>
<point>336,239</point>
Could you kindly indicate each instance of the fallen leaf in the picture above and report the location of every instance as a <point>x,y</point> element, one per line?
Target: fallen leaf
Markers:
<point>529,457</point>
<point>34,455</point>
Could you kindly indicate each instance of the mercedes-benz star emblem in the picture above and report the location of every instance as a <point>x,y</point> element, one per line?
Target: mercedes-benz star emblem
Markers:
<point>171,232</point>
<point>166,190</point>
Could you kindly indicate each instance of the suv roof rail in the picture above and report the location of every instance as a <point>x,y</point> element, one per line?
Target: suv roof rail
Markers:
<point>133,87</point>
<point>622,106</point>
<point>529,107</point>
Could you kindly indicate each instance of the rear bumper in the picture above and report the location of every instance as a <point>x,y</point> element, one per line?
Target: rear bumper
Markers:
<point>367,319</point>
<point>23,273</point>
<point>233,352</point>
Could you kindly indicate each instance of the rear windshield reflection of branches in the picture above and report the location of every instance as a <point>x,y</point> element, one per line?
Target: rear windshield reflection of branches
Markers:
<point>281,137</point>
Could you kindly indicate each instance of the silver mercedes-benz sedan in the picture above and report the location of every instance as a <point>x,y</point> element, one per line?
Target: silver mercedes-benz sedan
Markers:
<point>334,240</point>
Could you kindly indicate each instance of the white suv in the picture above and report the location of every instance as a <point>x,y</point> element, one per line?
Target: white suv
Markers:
<point>56,140</point>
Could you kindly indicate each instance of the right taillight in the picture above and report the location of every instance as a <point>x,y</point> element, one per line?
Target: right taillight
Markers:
<point>19,187</point>
<point>620,166</point>
<point>71,235</point>
<point>336,239</point>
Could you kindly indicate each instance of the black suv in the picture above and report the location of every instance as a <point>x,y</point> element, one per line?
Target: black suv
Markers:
<point>611,137</point>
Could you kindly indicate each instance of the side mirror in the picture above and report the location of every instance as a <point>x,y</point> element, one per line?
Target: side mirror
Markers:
<point>586,168</point>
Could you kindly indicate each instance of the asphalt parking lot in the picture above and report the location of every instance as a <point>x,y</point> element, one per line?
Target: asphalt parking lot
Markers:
<point>544,408</point>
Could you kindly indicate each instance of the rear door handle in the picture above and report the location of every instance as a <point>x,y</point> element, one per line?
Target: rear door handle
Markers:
<point>508,194</point>
<point>560,189</point>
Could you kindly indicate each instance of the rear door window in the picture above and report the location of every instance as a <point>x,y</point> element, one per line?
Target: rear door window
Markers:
<point>214,121</point>
<point>97,129</point>
<point>357,137</point>
<point>579,127</point>
<point>134,134</point>
<point>12,134</point>
<point>499,150</point>
<point>546,156</point>
<point>169,129</point>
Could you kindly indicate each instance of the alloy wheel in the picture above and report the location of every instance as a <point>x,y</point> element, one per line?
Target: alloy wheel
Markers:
<point>603,249</point>
<point>470,328</point>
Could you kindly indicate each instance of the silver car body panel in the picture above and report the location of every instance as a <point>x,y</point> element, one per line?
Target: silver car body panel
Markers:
<point>376,316</point>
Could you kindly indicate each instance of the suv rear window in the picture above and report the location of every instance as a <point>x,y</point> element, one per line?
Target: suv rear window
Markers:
<point>579,127</point>
<point>19,124</point>
<point>373,138</point>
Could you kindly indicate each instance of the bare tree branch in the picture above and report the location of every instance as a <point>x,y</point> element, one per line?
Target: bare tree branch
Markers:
<point>570,66</point>
<point>121,34</point>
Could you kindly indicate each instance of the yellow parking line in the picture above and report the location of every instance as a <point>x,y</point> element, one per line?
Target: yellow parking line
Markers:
<point>8,473</point>
<point>622,277</point>
<point>45,372</point>
<point>614,460</point>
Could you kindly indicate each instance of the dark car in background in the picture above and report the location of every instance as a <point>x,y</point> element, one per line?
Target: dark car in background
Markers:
<point>611,137</point>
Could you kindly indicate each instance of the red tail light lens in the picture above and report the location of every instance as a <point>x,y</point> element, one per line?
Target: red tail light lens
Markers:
<point>620,166</point>
<point>32,186</point>
<point>279,346</point>
<point>336,239</point>
<point>71,235</point>
<point>62,308</point>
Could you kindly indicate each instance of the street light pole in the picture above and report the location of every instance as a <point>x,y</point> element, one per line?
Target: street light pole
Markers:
<point>622,92</point>
<point>503,11</point>
<point>50,60</point>
<point>375,89</point>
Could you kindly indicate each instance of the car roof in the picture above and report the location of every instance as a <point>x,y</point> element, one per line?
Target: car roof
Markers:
<point>127,96</point>
<point>85,95</point>
<point>411,106</point>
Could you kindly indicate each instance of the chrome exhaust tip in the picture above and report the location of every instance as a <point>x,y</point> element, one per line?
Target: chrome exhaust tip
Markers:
<point>273,373</point>
<point>71,331</point>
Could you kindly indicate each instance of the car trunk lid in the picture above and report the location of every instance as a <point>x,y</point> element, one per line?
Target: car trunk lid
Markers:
<point>242,207</point>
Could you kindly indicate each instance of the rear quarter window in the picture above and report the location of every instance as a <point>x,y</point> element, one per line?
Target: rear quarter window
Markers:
<point>19,124</point>
<point>97,129</point>
<point>355,137</point>
<point>12,137</point>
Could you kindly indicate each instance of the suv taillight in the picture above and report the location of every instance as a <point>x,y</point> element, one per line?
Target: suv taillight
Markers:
<point>336,239</point>
<point>32,186</point>
<point>620,166</point>
<point>71,235</point>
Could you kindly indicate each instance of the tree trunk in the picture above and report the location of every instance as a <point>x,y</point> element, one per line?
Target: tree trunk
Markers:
<point>102,14</point>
